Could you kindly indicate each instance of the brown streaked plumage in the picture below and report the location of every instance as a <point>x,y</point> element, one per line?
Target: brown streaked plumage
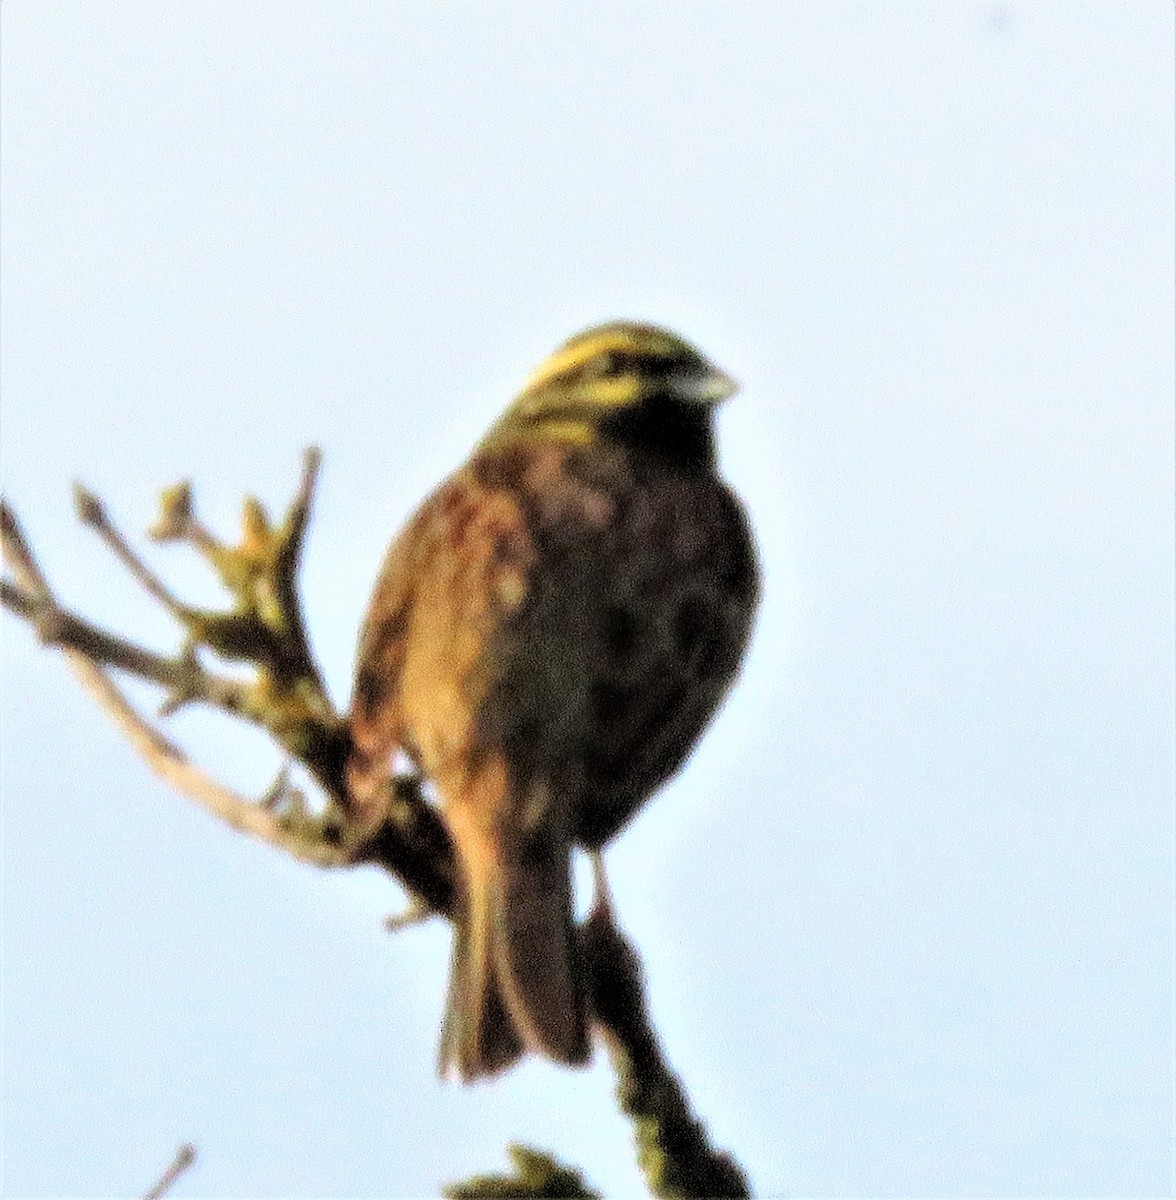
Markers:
<point>547,640</point>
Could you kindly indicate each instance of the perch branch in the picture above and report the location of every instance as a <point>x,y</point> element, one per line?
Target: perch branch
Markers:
<point>673,1150</point>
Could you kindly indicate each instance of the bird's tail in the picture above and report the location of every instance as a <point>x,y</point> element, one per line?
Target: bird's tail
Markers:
<point>516,984</point>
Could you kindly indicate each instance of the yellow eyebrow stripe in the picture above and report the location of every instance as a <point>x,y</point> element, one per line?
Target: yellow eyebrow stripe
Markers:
<point>568,358</point>
<point>582,349</point>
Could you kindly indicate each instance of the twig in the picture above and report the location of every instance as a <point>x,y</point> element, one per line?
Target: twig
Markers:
<point>185,1157</point>
<point>416,912</point>
<point>536,1174</point>
<point>286,697</point>
<point>18,555</point>
<point>83,654</point>
<point>92,512</point>
<point>181,677</point>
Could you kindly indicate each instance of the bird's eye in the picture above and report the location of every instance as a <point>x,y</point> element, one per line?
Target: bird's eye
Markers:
<point>602,366</point>
<point>620,363</point>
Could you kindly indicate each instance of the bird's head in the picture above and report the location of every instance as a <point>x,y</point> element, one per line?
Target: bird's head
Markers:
<point>626,382</point>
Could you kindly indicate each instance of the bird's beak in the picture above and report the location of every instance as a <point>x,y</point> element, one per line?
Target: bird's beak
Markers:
<point>712,386</point>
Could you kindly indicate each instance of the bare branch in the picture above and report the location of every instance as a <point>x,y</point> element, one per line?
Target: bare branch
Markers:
<point>185,1157</point>
<point>536,1174</point>
<point>86,648</point>
<point>18,556</point>
<point>285,698</point>
<point>182,676</point>
<point>92,513</point>
<point>673,1149</point>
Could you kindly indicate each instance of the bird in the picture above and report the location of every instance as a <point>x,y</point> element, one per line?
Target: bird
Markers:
<point>546,641</point>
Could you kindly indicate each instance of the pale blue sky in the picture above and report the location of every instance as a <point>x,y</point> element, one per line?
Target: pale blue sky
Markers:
<point>907,913</point>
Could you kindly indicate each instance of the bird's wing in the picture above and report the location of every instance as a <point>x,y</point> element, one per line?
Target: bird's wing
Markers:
<point>376,721</point>
<point>448,582</point>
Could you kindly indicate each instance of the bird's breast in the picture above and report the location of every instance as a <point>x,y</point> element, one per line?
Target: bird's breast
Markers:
<point>579,611</point>
<point>640,587</point>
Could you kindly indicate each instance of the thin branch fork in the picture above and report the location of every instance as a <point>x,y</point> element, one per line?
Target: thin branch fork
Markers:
<point>89,650</point>
<point>285,697</point>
